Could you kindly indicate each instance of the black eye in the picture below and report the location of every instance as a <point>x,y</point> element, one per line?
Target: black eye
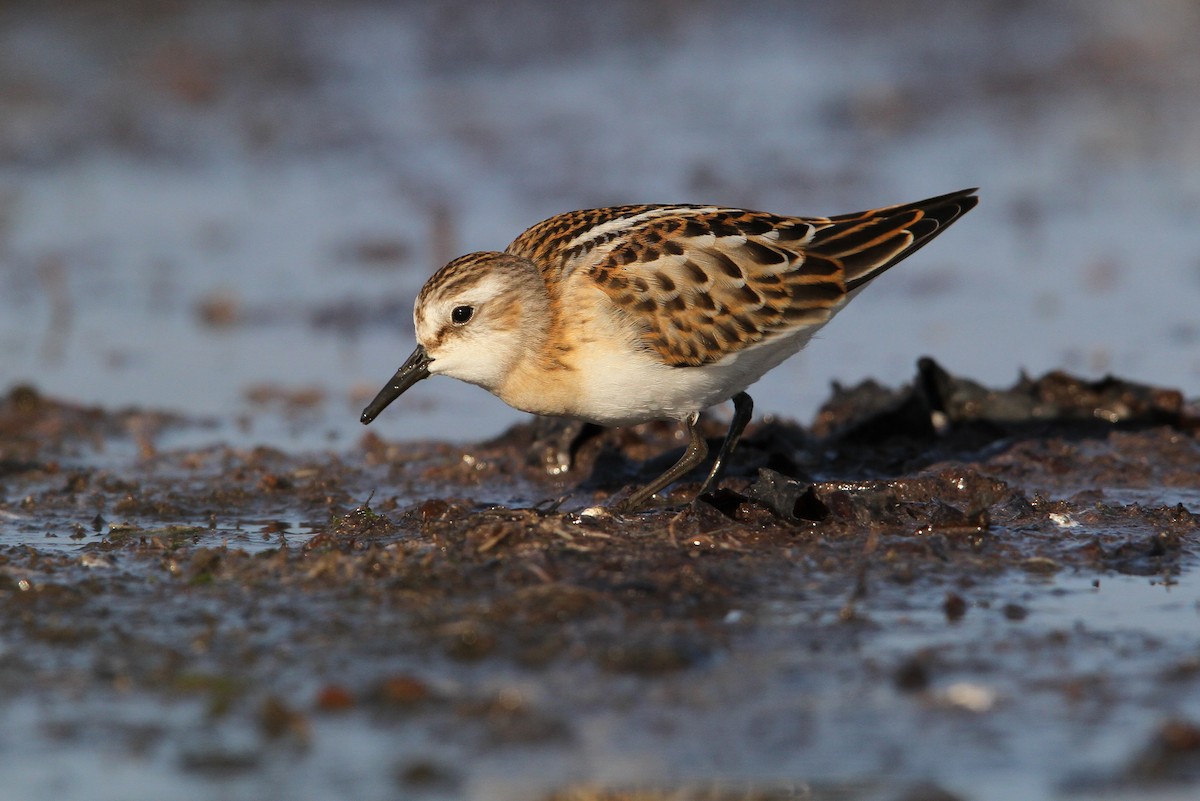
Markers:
<point>462,314</point>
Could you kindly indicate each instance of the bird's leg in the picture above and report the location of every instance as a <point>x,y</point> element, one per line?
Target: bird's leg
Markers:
<point>697,449</point>
<point>743,408</point>
<point>557,442</point>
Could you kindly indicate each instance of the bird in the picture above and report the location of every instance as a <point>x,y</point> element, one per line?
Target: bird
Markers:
<point>627,314</point>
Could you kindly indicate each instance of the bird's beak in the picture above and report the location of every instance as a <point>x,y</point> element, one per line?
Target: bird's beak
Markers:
<point>412,371</point>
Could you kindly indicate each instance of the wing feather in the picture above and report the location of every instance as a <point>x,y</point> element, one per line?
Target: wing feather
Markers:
<point>700,282</point>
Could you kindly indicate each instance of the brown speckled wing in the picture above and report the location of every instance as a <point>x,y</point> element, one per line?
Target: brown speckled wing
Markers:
<point>567,240</point>
<point>702,281</point>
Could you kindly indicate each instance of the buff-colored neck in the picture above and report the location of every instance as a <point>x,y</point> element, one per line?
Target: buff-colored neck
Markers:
<point>545,376</point>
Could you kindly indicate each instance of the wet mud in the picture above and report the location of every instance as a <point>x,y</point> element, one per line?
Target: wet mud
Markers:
<point>873,579</point>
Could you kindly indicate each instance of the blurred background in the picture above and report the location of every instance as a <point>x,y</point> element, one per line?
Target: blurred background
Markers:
<point>226,209</point>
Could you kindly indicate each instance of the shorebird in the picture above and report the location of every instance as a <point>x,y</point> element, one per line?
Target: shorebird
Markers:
<point>621,315</point>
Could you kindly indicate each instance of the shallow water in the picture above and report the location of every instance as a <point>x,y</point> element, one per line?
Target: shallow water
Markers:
<point>1014,708</point>
<point>302,172</point>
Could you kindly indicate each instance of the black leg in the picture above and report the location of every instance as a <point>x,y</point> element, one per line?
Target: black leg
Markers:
<point>743,408</point>
<point>697,449</point>
<point>558,442</point>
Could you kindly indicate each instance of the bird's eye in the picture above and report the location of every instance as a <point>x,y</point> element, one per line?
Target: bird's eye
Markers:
<point>462,314</point>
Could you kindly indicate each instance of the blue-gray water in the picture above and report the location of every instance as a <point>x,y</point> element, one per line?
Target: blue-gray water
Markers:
<point>309,167</point>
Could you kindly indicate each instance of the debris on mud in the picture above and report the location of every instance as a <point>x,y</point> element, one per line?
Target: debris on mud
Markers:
<point>209,573</point>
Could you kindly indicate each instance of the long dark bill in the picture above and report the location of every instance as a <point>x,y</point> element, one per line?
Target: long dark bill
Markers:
<point>412,371</point>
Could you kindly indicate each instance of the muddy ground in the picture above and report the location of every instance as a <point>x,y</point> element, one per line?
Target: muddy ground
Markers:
<point>871,607</point>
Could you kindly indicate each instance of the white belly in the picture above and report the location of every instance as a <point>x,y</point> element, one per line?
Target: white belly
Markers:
<point>624,388</point>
